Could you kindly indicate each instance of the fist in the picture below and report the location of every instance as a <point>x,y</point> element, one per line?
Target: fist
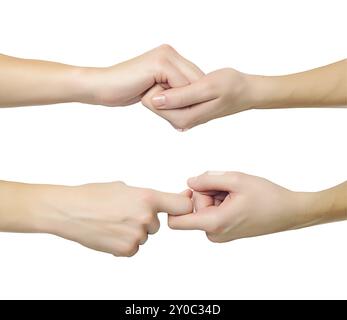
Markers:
<point>113,217</point>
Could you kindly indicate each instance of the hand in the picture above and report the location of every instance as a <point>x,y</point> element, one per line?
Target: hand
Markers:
<point>109,217</point>
<point>127,83</point>
<point>233,205</point>
<point>215,95</point>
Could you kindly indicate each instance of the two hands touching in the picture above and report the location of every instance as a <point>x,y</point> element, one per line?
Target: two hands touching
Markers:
<point>179,92</point>
<point>170,86</point>
<point>166,83</point>
<point>116,218</point>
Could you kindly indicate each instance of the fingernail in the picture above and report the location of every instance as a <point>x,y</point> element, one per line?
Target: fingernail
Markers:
<point>181,130</point>
<point>215,173</point>
<point>159,101</point>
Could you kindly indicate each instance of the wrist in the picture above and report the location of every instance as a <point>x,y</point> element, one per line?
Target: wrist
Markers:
<point>85,83</point>
<point>333,203</point>
<point>321,207</point>
<point>49,205</point>
<point>39,208</point>
<point>24,208</point>
<point>267,91</point>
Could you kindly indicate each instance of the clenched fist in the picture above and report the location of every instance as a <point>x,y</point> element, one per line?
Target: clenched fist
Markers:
<point>109,217</point>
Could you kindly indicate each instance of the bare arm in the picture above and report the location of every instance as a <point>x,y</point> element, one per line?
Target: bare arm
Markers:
<point>110,217</point>
<point>26,82</point>
<point>33,82</point>
<point>322,87</point>
<point>233,205</point>
<point>228,91</point>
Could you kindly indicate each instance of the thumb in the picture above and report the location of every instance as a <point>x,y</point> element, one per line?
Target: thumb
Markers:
<point>194,93</point>
<point>173,203</point>
<point>215,180</point>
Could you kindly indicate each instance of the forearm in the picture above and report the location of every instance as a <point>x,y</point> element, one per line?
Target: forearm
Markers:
<point>321,87</point>
<point>32,82</point>
<point>30,208</point>
<point>322,207</point>
<point>335,200</point>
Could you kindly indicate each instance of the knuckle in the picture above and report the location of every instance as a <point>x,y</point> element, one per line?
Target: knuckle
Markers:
<point>143,238</point>
<point>140,236</point>
<point>130,250</point>
<point>161,62</point>
<point>162,54</point>
<point>236,177</point>
<point>155,229</point>
<point>146,218</point>
<point>147,197</point>
<point>166,49</point>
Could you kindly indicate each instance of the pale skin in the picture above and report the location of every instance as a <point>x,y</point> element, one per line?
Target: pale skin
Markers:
<point>234,205</point>
<point>116,218</point>
<point>32,82</point>
<point>108,217</point>
<point>227,91</point>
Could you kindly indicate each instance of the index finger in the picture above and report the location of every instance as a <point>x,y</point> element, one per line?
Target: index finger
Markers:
<point>173,203</point>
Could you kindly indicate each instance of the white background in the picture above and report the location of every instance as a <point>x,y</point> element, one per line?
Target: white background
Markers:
<point>74,143</point>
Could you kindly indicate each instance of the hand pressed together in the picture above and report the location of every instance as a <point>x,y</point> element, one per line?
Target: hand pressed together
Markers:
<point>116,218</point>
<point>218,94</point>
<point>128,82</point>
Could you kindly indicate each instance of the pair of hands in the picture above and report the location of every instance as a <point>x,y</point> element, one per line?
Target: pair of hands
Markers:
<point>117,219</point>
<point>171,86</point>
